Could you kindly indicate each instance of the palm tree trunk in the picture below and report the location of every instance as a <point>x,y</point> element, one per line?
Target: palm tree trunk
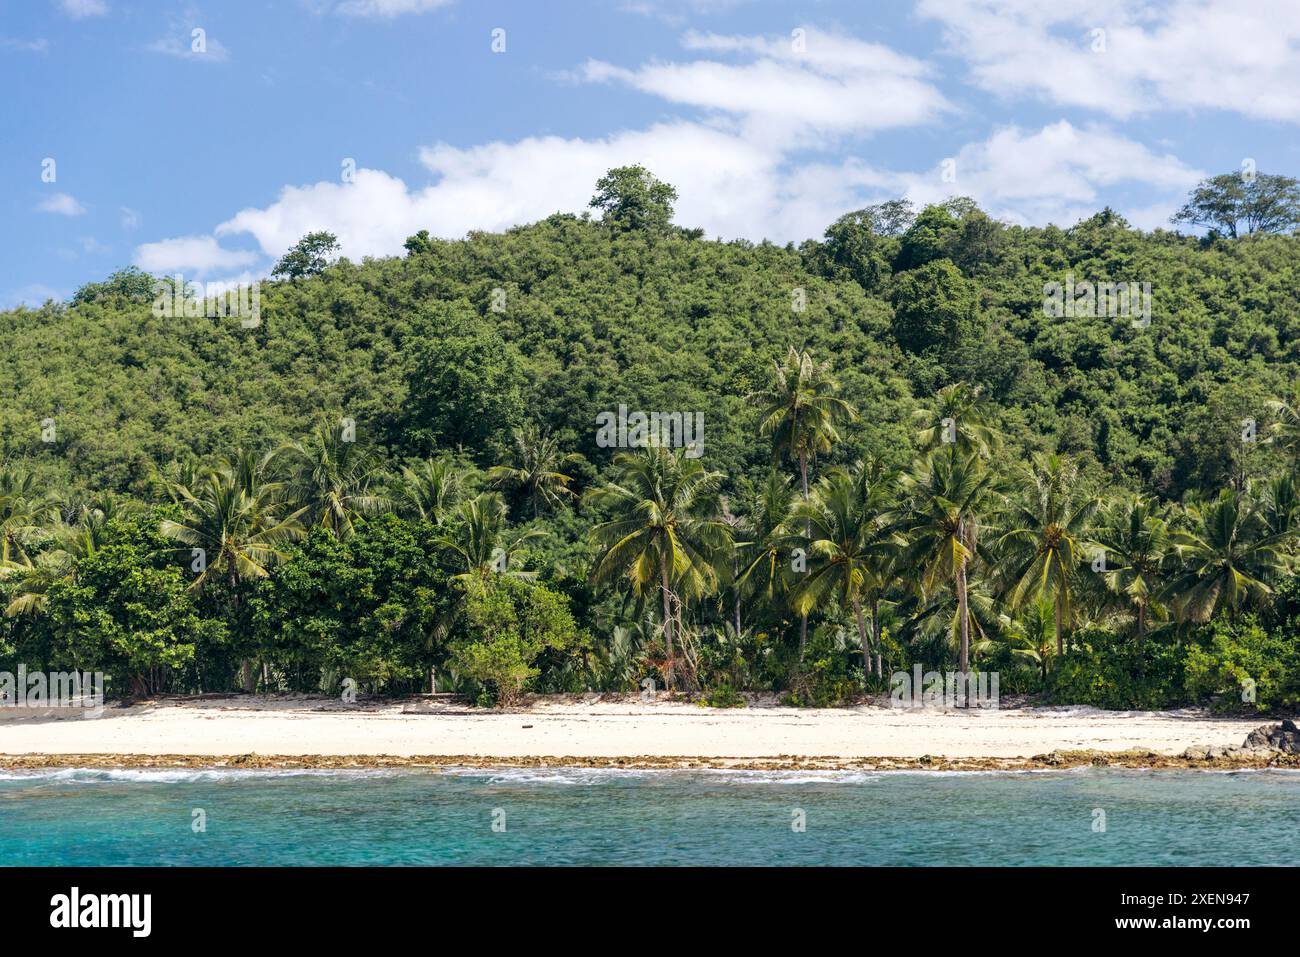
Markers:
<point>875,632</point>
<point>963,620</point>
<point>807,531</point>
<point>1059,615</point>
<point>862,635</point>
<point>668,621</point>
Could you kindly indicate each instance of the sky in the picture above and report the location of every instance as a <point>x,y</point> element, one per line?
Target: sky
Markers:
<point>205,139</point>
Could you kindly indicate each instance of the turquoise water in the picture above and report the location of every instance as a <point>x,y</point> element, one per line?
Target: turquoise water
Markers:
<point>576,816</point>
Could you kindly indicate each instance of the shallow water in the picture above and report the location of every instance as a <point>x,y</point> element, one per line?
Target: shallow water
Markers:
<point>597,816</point>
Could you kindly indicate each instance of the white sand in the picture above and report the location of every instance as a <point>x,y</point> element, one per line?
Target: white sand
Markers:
<point>606,729</point>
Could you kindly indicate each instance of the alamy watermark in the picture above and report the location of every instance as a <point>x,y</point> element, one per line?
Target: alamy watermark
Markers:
<point>174,298</point>
<point>80,691</point>
<point>1087,299</point>
<point>933,689</point>
<point>636,430</point>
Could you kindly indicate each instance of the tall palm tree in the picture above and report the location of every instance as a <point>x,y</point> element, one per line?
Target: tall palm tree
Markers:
<point>1044,542</point>
<point>1227,556</point>
<point>799,411</point>
<point>665,532</point>
<point>944,495</point>
<point>479,536</point>
<point>1135,543</point>
<point>1285,429</point>
<point>23,510</point>
<point>961,416</point>
<point>238,516</point>
<point>535,468</point>
<point>57,561</point>
<point>337,480</point>
<point>428,491</point>
<point>765,570</point>
<point>850,544</point>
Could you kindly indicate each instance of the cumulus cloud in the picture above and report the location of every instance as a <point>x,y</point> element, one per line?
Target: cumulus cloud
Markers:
<point>808,83</point>
<point>60,204</point>
<point>1124,59</point>
<point>199,255</point>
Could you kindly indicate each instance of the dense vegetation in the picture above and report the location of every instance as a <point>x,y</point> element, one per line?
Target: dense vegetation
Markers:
<point>905,458</point>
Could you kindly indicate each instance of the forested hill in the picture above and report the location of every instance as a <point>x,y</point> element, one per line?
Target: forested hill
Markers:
<point>458,341</point>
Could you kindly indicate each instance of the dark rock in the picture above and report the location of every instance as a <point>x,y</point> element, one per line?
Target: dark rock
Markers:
<point>1280,737</point>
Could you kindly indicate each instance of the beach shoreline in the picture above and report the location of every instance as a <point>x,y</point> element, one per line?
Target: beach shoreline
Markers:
<point>621,731</point>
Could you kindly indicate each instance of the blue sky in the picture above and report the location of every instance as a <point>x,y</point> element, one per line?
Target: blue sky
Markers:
<point>770,118</point>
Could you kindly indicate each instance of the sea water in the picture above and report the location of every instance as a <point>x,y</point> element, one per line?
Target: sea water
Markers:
<point>573,816</point>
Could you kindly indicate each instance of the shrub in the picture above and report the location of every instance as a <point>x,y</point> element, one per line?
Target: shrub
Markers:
<point>1236,663</point>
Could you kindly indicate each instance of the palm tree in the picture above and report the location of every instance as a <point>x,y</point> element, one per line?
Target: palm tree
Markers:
<point>664,534</point>
<point>799,411</point>
<point>960,416</point>
<point>850,544</point>
<point>765,571</point>
<point>430,490</point>
<point>535,469</point>
<point>23,510</point>
<point>1135,546</point>
<point>1227,554</point>
<point>236,514</point>
<point>1043,543</point>
<point>336,479</point>
<point>944,495</point>
<point>479,536</point>
<point>1285,430</point>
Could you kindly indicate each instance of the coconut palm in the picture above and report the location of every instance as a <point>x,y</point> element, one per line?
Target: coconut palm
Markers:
<point>428,491</point>
<point>665,533</point>
<point>535,469</point>
<point>336,479</point>
<point>1285,429</point>
<point>23,510</point>
<point>799,412</point>
<point>1134,546</point>
<point>1227,555</point>
<point>1043,543</point>
<point>479,536</point>
<point>850,545</point>
<point>237,524</point>
<point>960,415</point>
<point>944,495</point>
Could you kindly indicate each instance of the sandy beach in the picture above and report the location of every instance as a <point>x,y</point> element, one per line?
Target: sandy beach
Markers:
<point>624,732</point>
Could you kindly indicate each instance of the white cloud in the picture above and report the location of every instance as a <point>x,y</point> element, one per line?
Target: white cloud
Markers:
<point>130,218</point>
<point>1054,174</point>
<point>60,204</point>
<point>387,9</point>
<point>1184,54</point>
<point>40,45</point>
<point>810,83</point>
<point>200,255</point>
<point>79,9</point>
<point>32,296</point>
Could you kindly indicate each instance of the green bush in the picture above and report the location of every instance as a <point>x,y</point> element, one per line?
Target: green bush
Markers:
<point>828,675</point>
<point>510,622</point>
<point>1107,670</point>
<point>1242,667</point>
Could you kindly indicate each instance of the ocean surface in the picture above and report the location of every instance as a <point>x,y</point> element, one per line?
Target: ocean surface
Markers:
<point>1092,816</point>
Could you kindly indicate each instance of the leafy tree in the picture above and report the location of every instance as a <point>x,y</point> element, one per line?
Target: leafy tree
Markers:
<point>1236,205</point>
<point>935,309</point>
<point>308,257</point>
<point>465,387</point>
<point>631,198</point>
